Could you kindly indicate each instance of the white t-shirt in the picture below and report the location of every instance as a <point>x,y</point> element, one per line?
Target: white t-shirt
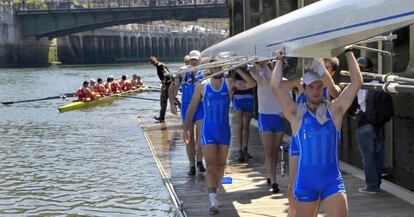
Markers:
<point>362,96</point>
<point>266,99</point>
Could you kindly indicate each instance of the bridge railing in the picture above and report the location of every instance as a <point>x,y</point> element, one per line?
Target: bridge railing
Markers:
<point>166,29</point>
<point>28,5</point>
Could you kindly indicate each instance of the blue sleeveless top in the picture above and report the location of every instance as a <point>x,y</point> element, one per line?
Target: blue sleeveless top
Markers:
<point>318,146</point>
<point>187,88</point>
<point>216,106</point>
<point>188,85</point>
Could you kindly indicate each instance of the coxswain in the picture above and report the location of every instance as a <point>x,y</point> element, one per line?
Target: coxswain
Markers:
<point>136,81</point>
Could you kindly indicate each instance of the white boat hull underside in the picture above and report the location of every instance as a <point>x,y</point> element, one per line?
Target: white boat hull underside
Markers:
<point>319,30</point>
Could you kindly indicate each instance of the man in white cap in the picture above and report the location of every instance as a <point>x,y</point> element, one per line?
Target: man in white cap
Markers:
<point>188,80</point>
<point>316,127</point>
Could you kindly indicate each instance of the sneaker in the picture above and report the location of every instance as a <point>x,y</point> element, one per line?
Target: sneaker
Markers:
<point>192,171</point>
<point>242,156</point>
<point>200,167</point>
<point>160,120</point>
<point>366,190</point>
<point>248,156</point>
<point>213,210</point>
<point>268,181</point>
<point>275,188</point>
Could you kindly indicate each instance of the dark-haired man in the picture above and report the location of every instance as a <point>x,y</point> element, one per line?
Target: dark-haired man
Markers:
<point>166,79</point>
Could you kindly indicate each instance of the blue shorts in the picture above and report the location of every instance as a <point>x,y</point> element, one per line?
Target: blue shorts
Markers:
<point>293,150</point>
<point>243,103</point>
<point>199,114</point>
<point>271,123</point>
<point>218,135</point>
<point>310,193</point>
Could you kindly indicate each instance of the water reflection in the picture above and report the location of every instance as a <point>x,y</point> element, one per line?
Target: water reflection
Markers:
<point>88,162</point>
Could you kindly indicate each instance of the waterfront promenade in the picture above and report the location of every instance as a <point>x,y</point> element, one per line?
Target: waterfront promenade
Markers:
<point>249,194</point>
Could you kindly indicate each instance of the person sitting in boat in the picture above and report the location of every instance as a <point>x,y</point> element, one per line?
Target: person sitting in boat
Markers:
<point>84,93</point>
<point>100,88</point>
<point>124,83</point>
<point>112,85</point>
<point>136,81</point>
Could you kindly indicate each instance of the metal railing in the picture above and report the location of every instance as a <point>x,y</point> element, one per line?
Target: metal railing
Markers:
<point>166,29</point>
<point>30,5</point>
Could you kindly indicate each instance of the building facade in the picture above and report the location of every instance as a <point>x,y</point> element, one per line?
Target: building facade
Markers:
<point>399,148</point>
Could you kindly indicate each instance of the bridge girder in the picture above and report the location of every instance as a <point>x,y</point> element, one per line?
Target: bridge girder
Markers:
<point>55,23</point>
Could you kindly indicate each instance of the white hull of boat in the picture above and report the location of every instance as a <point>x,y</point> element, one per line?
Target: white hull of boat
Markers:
<point>320,29</point>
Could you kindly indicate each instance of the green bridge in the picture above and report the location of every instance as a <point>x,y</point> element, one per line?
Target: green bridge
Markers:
<point>59,20</point>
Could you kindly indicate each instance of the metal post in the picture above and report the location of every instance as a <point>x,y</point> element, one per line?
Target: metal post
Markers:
<point>410,68</point>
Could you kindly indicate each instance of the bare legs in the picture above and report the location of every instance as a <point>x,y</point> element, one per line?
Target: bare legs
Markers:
<point>293,164</point>
<point>199,153</point>
<point>215,156</point>
<point>190,148</point>
<point>193,148</point>
<point>271,142</point>
<point>242,127</point>
<point>335,205</point>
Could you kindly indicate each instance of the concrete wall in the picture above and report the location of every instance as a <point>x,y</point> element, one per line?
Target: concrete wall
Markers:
<point>399,149</point>
<point>15,50</point>
<point>107,46</point>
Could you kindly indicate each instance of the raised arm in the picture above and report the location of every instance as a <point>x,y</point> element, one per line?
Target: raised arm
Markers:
<point>345,99</point>
<point>244,84</point>
<point>282,94</point>
<point>333,89</point>
<point>255,73</point>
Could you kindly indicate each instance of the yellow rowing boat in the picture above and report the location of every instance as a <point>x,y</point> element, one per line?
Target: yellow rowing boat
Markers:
<point>83,104</point>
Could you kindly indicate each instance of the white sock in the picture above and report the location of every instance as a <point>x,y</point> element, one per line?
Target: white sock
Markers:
<point>213,199</point>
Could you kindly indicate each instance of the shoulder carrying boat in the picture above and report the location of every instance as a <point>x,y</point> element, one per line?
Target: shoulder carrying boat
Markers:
<point>321,29</point>
<point>83,104</point>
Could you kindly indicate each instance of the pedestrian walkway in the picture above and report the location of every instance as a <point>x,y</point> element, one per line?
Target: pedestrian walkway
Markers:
<point>249,194</point>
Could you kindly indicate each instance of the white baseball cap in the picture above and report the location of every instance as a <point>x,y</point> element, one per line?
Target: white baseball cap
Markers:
<point>310,77</point>
<point>194,54</point>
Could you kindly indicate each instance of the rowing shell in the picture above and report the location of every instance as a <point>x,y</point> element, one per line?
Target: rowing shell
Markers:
<point>84,104</point>
<point>320,29</point>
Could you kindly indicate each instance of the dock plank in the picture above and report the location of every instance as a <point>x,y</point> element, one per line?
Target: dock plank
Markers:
<point>249,194</point>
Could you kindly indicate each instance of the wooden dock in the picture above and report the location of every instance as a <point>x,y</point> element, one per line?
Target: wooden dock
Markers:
<point>249,194</point>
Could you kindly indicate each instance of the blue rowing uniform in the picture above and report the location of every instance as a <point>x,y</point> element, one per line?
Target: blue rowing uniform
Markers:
<point>187,88</point>
<point>216,127</point>
<point>318,173</point>
<point>300,100</point>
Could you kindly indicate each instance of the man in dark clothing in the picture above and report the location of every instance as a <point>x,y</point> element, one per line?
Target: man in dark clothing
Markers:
<point>166,80</point>
<point>370,136</point>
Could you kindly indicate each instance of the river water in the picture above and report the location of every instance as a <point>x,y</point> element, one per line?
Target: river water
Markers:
<point>92,162</point>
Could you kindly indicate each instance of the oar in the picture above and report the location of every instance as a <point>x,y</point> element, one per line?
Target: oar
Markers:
<point>40,99</point>
<point>389,87</point>
<point>135,97</point>
<point>228,69</point>
<point>383,78</point>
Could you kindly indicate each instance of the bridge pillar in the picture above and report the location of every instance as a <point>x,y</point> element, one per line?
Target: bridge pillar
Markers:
<point>15,50</point>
